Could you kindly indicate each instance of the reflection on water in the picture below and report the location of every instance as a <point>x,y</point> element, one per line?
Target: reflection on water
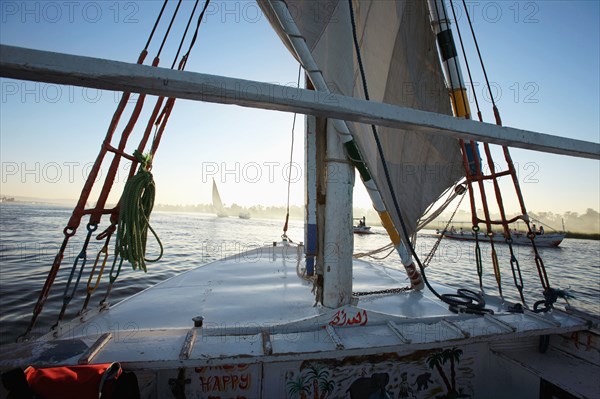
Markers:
<point>30,237</point>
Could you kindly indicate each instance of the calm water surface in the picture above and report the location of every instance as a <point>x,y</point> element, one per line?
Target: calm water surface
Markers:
<point>30,236</point>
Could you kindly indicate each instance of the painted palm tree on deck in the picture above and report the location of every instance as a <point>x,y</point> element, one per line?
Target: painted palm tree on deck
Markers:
<point>319,378</point>
<point>453,355</point>
<point>435,360</point>
<point>327,387</point>
<point>298,387</point>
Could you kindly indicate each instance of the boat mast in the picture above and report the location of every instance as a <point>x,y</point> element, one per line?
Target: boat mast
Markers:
<point>338,244</point>
<point>329,182</point>
<point>310,194</point>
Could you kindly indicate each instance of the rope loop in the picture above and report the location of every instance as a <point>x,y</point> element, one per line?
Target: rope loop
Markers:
<point>136,205</point>
<point>107,233</point>
<point>466,301</point>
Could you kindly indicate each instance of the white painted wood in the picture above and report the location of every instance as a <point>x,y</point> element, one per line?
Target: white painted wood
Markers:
<point>339,237</point>
<point>44,66</point>
<point>310,193</point>
<point>335,338</point>
<point>394,328</point>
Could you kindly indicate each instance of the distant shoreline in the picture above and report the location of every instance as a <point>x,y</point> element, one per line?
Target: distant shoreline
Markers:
<point>272,212</point>
<point>585,236</point>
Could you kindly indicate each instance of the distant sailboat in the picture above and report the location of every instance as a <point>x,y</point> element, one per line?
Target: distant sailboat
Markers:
<point>217,203</point>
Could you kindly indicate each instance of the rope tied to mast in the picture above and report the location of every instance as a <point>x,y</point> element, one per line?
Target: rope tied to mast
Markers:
<point>136,205</point>
<point>284,236</point>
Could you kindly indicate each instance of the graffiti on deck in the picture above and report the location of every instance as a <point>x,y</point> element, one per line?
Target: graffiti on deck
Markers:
<point>341,319</point>
<point>237,381</point>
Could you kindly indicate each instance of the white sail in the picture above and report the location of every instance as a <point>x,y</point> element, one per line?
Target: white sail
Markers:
<point>216,201</point>
<point>397,43</point>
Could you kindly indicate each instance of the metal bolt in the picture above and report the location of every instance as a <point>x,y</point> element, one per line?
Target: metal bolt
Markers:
<point>198,320</point>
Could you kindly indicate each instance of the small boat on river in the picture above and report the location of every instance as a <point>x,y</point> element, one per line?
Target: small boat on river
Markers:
<point>361,227</point>
<point>518,238</point>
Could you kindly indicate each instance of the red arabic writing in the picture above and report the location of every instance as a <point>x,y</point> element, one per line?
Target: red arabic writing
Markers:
<point>341,319</point>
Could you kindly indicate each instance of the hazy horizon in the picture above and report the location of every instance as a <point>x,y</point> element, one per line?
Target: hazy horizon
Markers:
<point>587,221</point>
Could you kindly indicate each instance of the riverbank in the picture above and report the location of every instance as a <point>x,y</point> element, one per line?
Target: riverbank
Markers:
<point>585,236</point>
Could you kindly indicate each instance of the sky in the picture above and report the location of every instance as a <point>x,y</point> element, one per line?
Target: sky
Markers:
<point>542,58</point>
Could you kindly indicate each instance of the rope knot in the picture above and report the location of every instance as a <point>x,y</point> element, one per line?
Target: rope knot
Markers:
<point>145,160</point>
<point>551,295</point>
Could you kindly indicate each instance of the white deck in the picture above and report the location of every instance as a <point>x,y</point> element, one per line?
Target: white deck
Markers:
<point>256,307</point>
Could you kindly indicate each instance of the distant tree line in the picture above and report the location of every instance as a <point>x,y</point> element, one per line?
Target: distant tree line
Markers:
<point>588,222</point>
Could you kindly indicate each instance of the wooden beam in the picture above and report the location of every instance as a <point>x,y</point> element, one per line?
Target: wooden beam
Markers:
<point>44,66</point>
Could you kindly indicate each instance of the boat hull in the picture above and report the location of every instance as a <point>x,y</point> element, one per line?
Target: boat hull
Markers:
<point>543,240</point>
<point>362,230</point>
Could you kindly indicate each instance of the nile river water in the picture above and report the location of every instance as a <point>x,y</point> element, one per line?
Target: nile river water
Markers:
<point>30,236</point>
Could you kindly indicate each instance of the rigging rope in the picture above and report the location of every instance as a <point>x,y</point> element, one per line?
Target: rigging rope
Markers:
<point>134,217</point>
<point>168,29</point>
<point>456,191</point>
<point>389,247</point>
<point>477,174</point>
<point>79,211</point>
<point>464,301</point>
<point>284,236</point>
<point>462,46</point>
<point>132,246</point>
<point>158,121</point>
<point>439,240</point>
<point>487,81</point>
<point>479,177</point>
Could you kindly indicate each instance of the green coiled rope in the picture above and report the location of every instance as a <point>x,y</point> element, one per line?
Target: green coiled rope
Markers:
<point>136,205</point>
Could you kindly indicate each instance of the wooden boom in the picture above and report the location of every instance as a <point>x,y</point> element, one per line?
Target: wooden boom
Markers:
<point>51,67</point>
